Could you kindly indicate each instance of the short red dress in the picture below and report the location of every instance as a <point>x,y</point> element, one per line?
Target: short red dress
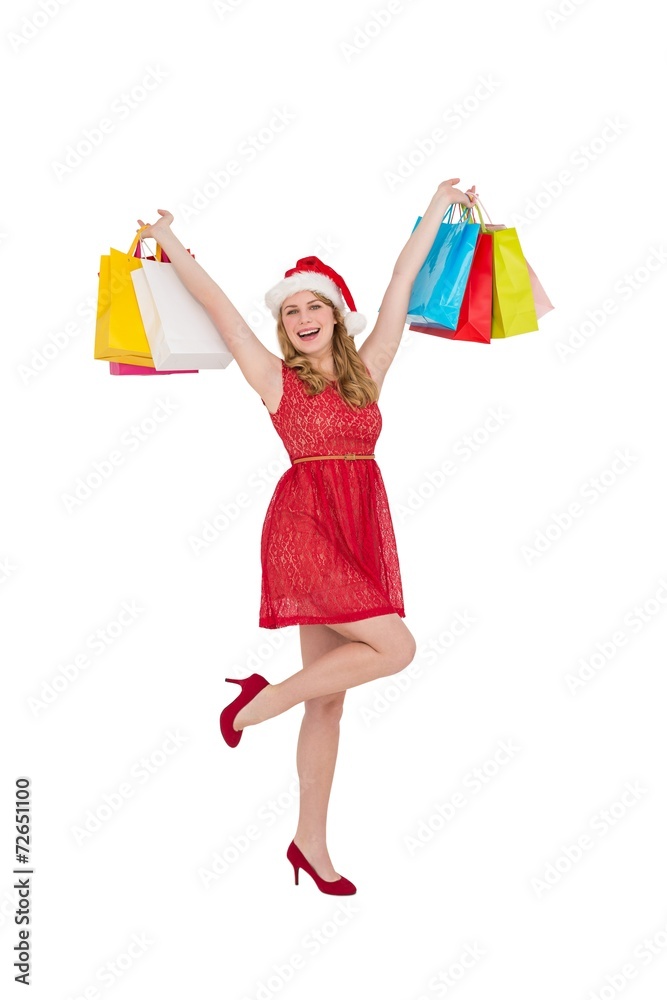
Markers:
<point>328,550</point>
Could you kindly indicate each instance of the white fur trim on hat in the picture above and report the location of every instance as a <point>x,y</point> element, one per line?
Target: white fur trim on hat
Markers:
<point>299,282</point>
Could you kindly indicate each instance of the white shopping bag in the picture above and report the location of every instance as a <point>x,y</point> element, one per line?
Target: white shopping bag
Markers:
<point>179,331</point>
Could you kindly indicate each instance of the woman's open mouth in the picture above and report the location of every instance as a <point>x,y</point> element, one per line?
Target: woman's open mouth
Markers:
<point>309,334</point>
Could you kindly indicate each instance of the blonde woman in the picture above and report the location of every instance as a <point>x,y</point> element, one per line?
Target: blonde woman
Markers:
<point>328,551</point>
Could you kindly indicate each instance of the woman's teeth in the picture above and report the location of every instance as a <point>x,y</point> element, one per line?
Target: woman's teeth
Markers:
<point>309,335</point>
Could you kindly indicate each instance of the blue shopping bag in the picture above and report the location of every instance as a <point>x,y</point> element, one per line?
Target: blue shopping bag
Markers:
<point>437,292</point>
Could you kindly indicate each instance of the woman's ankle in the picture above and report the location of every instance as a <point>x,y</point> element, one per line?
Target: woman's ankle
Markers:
<point>315,842</point>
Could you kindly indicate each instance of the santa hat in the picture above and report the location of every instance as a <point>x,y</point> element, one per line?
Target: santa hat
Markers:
<point>311,274</point>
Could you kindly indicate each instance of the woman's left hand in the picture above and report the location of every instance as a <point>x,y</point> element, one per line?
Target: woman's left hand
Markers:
<point>454,194</point>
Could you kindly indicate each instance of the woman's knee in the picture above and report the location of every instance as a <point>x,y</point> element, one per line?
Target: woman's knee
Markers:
<point>402,653</point>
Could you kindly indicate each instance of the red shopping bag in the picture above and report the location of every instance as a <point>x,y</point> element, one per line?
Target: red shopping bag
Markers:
<point>476,307</point>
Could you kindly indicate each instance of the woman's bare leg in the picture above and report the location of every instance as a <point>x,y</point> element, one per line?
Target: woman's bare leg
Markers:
<point>316,753</point>
<point>378,646</point>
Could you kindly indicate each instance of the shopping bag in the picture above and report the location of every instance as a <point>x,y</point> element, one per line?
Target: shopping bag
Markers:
<point>119,368</point>
<point>178,328</point>
<point>437,291</point>
<point>543,304</point>
<point>474,322</point>
<point>101,349</point>
<point>541,301</point>
<point>119,333</point>
<point>513,302</point>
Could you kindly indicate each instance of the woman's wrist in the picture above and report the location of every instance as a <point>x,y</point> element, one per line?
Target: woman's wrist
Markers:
<point>167,239</point>
<point>439,204</point>
<point>442,199</point>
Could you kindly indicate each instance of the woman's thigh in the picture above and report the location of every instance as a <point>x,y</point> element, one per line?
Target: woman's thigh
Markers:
<point>387,634</point>
<point>316,640</point>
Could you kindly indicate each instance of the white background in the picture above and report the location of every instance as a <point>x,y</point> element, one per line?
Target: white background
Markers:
<point>361,98</point>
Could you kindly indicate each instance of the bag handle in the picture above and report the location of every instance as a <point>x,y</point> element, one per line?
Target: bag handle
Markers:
<point>479,203</point>
<point>160,255</point>
<point>467,215</point>
<point>135,249</point>
<point>468,210</point>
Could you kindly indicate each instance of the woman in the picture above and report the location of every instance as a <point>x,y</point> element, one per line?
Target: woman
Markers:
<point>328,552</point>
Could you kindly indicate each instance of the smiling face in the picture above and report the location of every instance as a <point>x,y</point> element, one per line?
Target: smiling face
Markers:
<point>304,312</point>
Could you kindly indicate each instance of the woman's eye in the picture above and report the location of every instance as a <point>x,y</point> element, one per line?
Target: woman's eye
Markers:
<point>290,312</point>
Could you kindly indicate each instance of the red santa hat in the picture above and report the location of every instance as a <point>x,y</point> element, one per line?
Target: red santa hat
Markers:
<point>311,274</point>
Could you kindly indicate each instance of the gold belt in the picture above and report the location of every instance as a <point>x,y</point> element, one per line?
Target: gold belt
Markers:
<point>313,458</point>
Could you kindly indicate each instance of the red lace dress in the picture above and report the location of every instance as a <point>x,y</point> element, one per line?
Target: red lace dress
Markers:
<point>328,549</point>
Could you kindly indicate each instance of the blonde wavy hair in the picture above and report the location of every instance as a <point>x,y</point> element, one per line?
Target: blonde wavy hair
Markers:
<point>354,383</point>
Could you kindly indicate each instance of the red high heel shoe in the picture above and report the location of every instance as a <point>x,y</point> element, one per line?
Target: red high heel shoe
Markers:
<point>250,686</point>
<point>338,887</point>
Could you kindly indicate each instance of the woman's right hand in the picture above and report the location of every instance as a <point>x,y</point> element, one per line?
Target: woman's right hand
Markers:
<point>454,194</point>
<point>159,227</point>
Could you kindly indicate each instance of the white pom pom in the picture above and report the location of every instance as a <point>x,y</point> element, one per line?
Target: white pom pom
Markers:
<point>354,323</point>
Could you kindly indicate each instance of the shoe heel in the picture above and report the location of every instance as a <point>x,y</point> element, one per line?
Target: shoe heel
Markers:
<point>250,686</point>
<point>337,887</point>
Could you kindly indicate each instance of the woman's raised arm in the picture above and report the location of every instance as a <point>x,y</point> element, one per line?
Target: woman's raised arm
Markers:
<point>380,346</point>
<point>261,368</point>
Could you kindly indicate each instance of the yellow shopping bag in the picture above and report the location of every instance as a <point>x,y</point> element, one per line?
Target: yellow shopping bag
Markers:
<point>513,303</point>
<point>119,330</point>
<point>513,309</point>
